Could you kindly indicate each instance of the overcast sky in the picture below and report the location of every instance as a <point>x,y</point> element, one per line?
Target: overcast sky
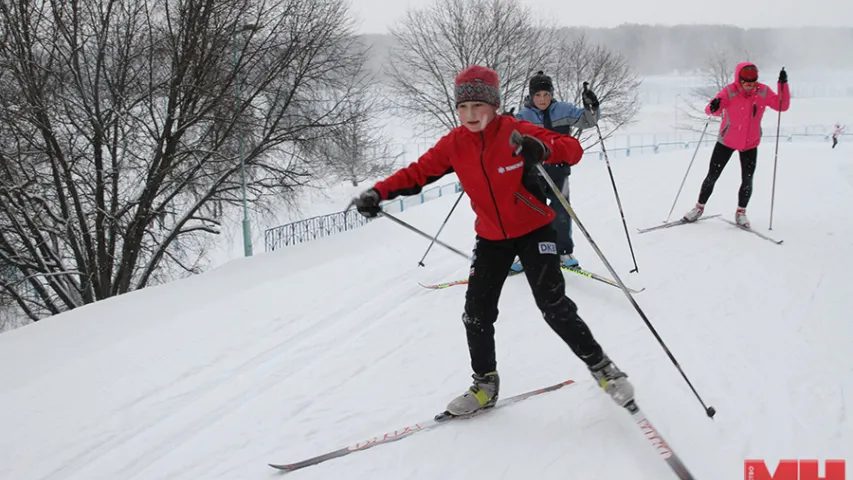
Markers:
<point>376,15</point>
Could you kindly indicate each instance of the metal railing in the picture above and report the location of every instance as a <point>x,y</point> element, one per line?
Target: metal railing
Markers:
<point>326,225</point>
<point>657,142</point>
<point>312,228</point>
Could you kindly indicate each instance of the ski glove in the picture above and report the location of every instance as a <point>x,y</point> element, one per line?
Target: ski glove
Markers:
<point>590,101</point>
<point>783,76</point>
<point>532,149</point>
<point>715,104</point>
<point>367,203</point>
<point>510,113</point>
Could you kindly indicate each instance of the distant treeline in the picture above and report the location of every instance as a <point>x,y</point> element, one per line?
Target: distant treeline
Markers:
<point>661,50</point>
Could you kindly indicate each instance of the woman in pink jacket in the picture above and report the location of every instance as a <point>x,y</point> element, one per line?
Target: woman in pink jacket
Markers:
<point>742,105</point>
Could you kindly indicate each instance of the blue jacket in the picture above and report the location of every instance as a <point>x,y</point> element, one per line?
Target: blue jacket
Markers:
<point>563,117</point>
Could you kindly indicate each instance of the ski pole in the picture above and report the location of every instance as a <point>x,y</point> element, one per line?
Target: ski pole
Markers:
<point>421,263</point>
<point>423,234</point>
<point>775,159</point>
<point>516,141</point>
<point>688,169</point>
<point>612,181</point>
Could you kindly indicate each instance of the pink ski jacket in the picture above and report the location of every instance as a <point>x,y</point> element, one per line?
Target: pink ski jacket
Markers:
<point>742,111</point>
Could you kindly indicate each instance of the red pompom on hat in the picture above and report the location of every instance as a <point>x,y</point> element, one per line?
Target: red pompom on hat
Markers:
<point>478,84</point>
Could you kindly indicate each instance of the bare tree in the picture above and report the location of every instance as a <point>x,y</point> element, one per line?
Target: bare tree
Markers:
<point>359,150</point>
<point>434,44</point>
<point>718,72</point>
<point>615,83</point>
<point>126,126</point>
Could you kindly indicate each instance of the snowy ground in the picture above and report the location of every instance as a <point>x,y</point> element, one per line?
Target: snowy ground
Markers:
<point>291,354</point>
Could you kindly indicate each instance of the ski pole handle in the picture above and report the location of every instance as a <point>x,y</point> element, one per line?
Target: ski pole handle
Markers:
<point>584,98</point>
<point>515,139</point>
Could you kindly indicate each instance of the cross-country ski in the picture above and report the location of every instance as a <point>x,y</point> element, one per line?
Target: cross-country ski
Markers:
<point>754,232</point>
<point>673,223</point>
<point>661,447</point>
<point>577,271</point>
<point>398,434</point>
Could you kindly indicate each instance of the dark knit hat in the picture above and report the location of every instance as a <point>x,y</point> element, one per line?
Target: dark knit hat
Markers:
<point>540,82</point>
<point>478,84</point>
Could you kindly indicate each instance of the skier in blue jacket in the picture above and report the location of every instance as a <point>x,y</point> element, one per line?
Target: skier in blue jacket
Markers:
<point>541,109</point>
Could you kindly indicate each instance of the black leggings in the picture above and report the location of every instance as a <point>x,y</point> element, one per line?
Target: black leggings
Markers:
<point>538,253</point>
<point>719,159</point>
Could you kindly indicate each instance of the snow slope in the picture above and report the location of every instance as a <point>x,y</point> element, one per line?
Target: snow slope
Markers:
<point>291,354</point>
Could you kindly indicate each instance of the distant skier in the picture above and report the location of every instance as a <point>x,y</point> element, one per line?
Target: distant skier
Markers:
<point>836,134</point>
<point>742,105</point>
<point>511,219</point>
<point>541,109</point>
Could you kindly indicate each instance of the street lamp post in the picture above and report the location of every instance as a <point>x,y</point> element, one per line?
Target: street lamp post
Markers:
<point>247,231</point>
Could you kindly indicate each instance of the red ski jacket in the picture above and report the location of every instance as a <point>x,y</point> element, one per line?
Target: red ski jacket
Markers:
<point>506,197</point>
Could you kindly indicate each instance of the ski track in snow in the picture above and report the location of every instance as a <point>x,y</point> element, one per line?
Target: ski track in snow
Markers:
<point>299,352</point>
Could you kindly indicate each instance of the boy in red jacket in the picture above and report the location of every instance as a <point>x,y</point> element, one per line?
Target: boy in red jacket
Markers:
<point>512,219</point>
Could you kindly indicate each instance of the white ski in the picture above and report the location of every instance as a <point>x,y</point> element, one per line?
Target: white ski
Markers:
<point>657,441</point>
<point>758,234</point>
<point>674,223</point>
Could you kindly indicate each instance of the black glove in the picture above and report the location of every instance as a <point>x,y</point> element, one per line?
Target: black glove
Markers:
<point>532,149</point>
<point>590,101</point>
<point>783,76</point>
<point>510,113</point>
<point>367,203</point>
<point>715,104</point>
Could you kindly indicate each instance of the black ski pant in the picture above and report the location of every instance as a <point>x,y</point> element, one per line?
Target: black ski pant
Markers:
<point>538,254</point>
<point>834,142</point>
<point>719,158</point>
